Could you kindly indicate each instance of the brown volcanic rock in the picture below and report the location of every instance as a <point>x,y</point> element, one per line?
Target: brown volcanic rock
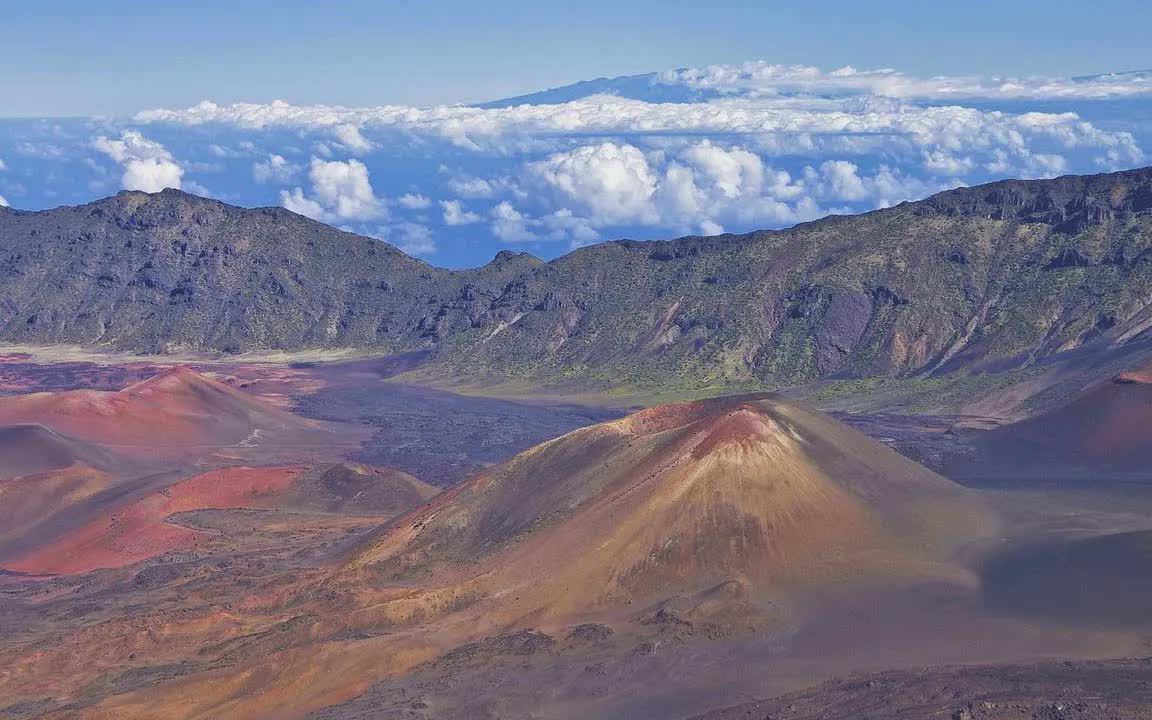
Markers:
<point>680,498</point>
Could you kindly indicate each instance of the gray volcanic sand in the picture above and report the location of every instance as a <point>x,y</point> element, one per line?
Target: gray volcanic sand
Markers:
<point>439,437</point>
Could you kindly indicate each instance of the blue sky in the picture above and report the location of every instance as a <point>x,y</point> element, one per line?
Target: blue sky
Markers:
<point>718,117</point>
<point>77,57</point>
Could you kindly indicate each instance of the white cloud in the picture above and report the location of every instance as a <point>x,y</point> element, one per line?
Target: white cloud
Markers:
<point>414,239</point>
<point>733,172</point>
<point>3,201</point>
<point>455,214</point>
<point>617,184</point>
<point>148,166</point>
<point>563,224</point>
<point>3,166</point>
<point>297,202</point>
<point>939,162</point>
<point>414,201</point>
<point>698,188</point>
<point>780,125</point>
<point>612,182</point>
<point>840,181</point>
<point>229,153</point>
<point>760,78</point>
<point>276,168</point>
<point>509,224</point>
<point>350,137</point>
<point>708,227</point>
<point>197,189</point>
<point>472,187</point>
<point>341,192</point>
<point>752,145</point>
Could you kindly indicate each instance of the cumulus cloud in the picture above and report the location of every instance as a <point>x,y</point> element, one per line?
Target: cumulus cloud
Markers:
<point>350,137</point>
<point>618,184</point>
<point>698,188</point>
<point>780,126</point>
<point>841,181</point>
<point>455,214</point>
<point>414,239</point>
<point>411,238</point>
<point>148,166</point>
<point>744,146</point>
<point>414,201</point>
<point>710,228</point>
<point>275,169</point>
<point>613,183</point>
<point>341,192</point>
<point>3,201</point>
<point>509,224</point>
<point>472,187</point>
<point>563,224</point>
<point>197,189</point>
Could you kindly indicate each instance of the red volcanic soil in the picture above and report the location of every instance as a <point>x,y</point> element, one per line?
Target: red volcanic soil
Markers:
<point>141,530</point>
<point>1140,375</point>
<point>178,410</point>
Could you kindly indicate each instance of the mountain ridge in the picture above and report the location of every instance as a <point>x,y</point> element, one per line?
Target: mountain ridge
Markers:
<point>991,277</point>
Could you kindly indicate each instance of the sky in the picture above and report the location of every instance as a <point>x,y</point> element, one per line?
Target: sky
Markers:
<point>723,116</point>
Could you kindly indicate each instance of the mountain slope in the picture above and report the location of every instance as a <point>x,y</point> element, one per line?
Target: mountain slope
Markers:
<point>991,277</point>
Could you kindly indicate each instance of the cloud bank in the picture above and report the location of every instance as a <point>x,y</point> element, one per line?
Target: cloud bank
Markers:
<point>722,148</point>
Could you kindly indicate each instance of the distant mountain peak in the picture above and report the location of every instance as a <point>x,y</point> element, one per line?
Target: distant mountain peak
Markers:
<point>507,256</point>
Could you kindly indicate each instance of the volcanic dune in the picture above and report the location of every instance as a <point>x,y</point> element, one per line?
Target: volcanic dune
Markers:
<point>176,412</point>
<point>146,528</point>
<point>1105,431</point>
<point>44,473</point>
<point>357,489</point>
<point>681,498</point>
<point>731,511</point>
<point>31,449</point>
